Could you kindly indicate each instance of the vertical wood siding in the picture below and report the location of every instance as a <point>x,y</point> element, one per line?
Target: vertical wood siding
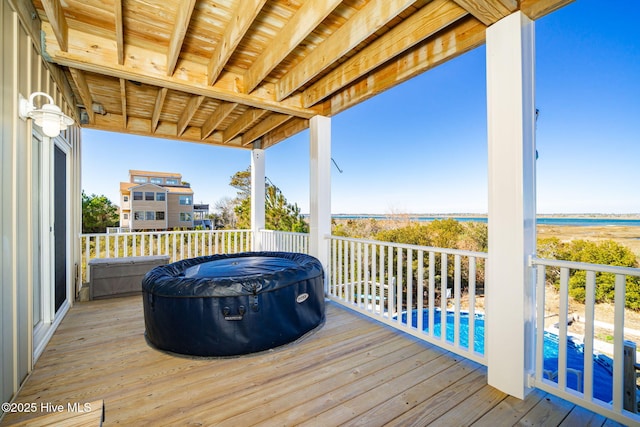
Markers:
<point>23,71</point>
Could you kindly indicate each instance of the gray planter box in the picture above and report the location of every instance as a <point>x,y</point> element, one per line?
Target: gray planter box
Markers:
<point>112,277</point>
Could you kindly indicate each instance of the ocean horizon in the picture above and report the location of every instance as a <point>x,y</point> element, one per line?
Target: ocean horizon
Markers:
<point>582,221</point>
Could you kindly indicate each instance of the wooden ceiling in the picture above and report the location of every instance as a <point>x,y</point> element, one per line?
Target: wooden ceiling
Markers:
<point>235,72</point>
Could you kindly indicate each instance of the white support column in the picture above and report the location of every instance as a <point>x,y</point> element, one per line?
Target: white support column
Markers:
<point>257,196</point>
<point>512,207</point>
<point>320,189</point>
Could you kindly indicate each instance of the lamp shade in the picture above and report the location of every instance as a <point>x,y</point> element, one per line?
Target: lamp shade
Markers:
<point>49,117</point>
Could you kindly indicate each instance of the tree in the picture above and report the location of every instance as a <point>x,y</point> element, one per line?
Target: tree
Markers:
<point>98,213</point>
<point>279,213</point>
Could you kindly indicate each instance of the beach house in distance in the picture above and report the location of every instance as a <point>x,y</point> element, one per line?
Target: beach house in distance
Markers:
<point>248,75</point>
<point>155,201</point>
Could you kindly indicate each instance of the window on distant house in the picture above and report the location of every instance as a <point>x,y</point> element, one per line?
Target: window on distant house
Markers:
<point>139,179</point>
<point>185,200</point>
<point>185,217</point>
<point>160,215</point>
<point>160,197</point>
<point>138,215</point>
<point>125,216</point>
<point>149,195</point>
<point>137,195</point>
<point>150,216</point>
<point>171,181</point>
<point>125,198</point>
<point>156,180</point>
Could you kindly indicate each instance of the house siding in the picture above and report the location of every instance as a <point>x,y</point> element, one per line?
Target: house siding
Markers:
<point>22,72</point>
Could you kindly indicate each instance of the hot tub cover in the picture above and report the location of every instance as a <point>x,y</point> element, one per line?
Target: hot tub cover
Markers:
<point>225,305</point>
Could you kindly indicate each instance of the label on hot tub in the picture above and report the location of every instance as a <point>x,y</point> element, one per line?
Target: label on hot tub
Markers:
<point>234,317</point>
<point>302,298</point>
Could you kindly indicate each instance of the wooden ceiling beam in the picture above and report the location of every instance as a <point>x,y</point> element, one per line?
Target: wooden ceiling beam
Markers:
<point>123,101</point>
<point>55,15</point>
<point>306,19</point>
<point>117,9</point>
<point>97,55</point>
<point>536,9</point>
<point>489,11</point>
<point>141,126</point>
<point>367,21</point>
<point>85,93</point>
<point>243,16</point>
<point>424,23</point>
<point>241,124</point>
<point>466,35</point>
<point>179,31</point>
<point>190,109</point>
<point>216,118</point>
<point>287,130</point>
<point>267,125</point>
<point>157,108</point>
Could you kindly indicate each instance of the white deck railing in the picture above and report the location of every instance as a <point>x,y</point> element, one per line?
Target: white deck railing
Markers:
<point>284,241</point>
<point>401,285</point>
<point>178,245</point>
<point>390,282</point>
<point>623,390</point>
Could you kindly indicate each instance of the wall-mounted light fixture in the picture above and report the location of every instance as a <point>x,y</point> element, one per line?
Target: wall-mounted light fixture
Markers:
<point>49,116</point>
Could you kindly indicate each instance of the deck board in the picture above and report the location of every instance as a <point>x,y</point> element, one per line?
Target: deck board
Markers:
<point>352,371</point>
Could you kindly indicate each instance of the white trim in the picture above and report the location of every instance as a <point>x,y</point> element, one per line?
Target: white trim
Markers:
<point>257,196</point>
<point>320,189</point>
<point>512,192</point>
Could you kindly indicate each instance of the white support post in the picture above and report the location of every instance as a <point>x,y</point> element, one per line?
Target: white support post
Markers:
<point>257,197</point>
<point>320,189</point>
<point>512,208</point>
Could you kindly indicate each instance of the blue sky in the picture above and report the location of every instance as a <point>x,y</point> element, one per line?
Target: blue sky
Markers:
<point>421,146</point>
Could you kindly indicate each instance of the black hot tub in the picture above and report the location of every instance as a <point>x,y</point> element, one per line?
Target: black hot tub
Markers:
<point>228,305</point>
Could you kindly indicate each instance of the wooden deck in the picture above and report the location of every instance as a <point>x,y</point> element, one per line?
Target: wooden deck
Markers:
<point>353,371</point>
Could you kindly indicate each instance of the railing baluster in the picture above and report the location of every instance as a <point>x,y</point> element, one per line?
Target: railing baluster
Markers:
<point>420,292</point>
<point>457,273</point>
<point>562,328</point>
<point>443,297</point>
<point>471,295</point>
<point>409,288</point>
<point>432,292</point>
<point>399,282</point>
<point>589,314</point>
<point>618,342</point>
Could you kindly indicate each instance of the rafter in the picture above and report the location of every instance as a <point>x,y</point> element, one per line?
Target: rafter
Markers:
<point>244,14</point>
<point>157,108</point>
<point>424,23</point>
<point>179,31</point>
<point>489,11</point>
<point>117,9</point>
<point>536,9</point>
<point>85,93</point>
<point>284,131</point>
<point>96,54</point>
<point>265,126</point>
<point>306,19</point>
<point>56,18</point>
<point>366,22</point>
<point>123,100</point>
<point>242,123</point>
<point>190,109</point>
<point>467,35</point>
<point>216,118</point>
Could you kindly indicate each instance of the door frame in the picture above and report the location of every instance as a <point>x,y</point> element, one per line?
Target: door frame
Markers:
<point>51,319</point>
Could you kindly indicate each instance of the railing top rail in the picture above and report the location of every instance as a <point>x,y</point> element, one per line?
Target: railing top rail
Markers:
<point>413,247</point>
<point>628,271</point>
<point>291,233</point>
<point>131,233</point>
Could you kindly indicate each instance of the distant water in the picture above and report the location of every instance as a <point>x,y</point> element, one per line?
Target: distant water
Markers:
<point>600,222</point>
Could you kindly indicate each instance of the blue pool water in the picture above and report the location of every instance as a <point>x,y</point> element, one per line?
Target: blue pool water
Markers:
<point>602,367</point>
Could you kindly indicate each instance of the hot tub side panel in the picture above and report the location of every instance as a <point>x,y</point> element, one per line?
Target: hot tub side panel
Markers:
<point>241,324</point>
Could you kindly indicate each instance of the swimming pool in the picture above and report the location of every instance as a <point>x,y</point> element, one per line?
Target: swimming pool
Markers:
<point>602,367</point>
